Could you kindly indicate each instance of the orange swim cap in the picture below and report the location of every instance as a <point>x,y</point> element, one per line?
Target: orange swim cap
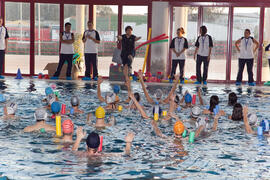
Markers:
<point>67,126</point>
<point>178,128</point>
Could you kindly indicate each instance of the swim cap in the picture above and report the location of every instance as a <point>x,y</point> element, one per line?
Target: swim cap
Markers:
<point>55,107</point>
<point>48,91</point>
<point>116,89</point>
<point>51,98</point>
<point>252,119</point>
<point>196,111</point>
<point>100,112</point>
<point>178,128</point>
<point>93,140</point>
<point>188,98</point>
<point>2,98</point>
<point>11,108</point>
<point>201,121</point>
<point>75,101</point>
<point>157,110</point>
<point>40,114</point>
<point>67,126</point>
<point>158,94</point>
<point>110,97</point>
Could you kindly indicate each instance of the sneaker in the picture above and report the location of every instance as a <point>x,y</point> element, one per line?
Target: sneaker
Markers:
<point>252,84</point>
<point>197,82</point>
<point>182,82</point>
<point>238,83</point>
<point>68,78</point>
<point>95,78</point>
<point>204,83</point>
<point>54,78</point>
<point>86,79</point>
<point>2,77</point>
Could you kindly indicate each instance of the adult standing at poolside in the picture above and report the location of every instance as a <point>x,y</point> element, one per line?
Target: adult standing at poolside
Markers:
<point>90,39</point>
<point>128,47</point>
<point>3,45</point>
<point>204,45</point>
<point>246,56</point>
<point>66,51</point>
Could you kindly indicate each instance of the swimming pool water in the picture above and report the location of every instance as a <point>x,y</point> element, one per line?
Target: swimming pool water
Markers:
<point>228,153</point>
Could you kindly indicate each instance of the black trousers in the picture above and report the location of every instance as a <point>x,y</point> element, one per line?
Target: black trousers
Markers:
<point>181,63</point>
<point>241,66</point>
<point>2,57</point>
<point>90,59</point>
<point>200,60</point>
<point>269,62</point>
<point>127,61</point>
<point>63,58</point>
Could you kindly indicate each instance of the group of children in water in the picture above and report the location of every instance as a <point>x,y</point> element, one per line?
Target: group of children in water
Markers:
<point>201,123</point>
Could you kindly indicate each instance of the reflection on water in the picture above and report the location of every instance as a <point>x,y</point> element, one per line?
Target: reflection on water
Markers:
<point>227,153</point>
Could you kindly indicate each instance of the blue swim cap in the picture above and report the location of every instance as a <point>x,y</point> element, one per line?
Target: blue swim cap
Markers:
<point>2,98</point>
<point>48,91</point>
<point>55,107</point>
<point>116,89</point>
<point>188,98</point>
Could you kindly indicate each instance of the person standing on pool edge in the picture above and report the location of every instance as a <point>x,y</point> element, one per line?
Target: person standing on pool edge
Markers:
<point>3,45</point>
<point>246,51</point>
<point>66,51</point>
<point>178,46</point>
<point>90,39</point>
<point>128,47</point>
<point>204,45</point>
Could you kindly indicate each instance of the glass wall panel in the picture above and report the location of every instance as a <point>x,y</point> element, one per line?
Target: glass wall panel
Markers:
<point>18,25</point>
<point>266,55</point>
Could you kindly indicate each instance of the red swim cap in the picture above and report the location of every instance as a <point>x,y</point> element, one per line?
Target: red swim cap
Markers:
<point>67,126</point>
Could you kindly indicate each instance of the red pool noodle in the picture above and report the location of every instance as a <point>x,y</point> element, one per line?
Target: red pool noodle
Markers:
<point>63,109</point>
<point>194,99</point>
<point>100,145</point>
<point>160,37</point>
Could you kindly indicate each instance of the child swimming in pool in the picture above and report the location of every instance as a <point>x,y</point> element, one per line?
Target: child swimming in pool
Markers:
<point>67,129</point>
<point>40,117</point>
<point>186,101</point>
<point>232,99</point>
<point>100,119</point>
<point>9,111</point>
<point>93,142</point>
<point>75,102</point>
<point>214,102</point>
<point>111,99</point>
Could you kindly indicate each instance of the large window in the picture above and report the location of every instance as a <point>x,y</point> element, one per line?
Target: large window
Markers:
<point>18,25</point>
<point>187,17</point>
<point>107,26</point>
<point>216,21</point>
<point>46,35</point>
<point>266,55</point>
<point>244,18</point>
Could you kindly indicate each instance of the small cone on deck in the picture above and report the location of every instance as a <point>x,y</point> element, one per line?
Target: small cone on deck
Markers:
<point>19,74</point>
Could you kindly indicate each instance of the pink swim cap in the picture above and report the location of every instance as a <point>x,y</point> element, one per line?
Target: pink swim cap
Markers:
<point>67,126</point>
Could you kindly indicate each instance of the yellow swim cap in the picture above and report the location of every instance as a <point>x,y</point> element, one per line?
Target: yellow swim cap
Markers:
<point>100,112</point>
<point>178,128</point>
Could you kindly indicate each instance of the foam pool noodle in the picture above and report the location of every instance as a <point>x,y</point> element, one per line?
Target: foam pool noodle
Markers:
<point>260,130</point>
<point>101,144</point>
<point>156,116</point>
<point>120,108</point>
<point>179,108</point>
<point>184,134</point>
<point>42,130</point>
<point>63,109</point>
<point>191,137</point>
<point>71,111</point>
<point>194,99</point>
<point>164,113</point>
<point>58,126</point>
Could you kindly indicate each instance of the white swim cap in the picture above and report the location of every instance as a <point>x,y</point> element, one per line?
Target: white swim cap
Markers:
<point>196,111</point>
<point>158,94</point>
<point>51,98</point>
<point>74,101</point>
<point>40,114</point>
<point>252,119</point>
<point>11,108</point>
<point>201,121</point>
<point>110,97</point>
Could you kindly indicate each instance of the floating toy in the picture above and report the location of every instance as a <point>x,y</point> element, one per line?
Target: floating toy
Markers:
<point>100,145</point>
<point>42,130</point>
<point>156,116</point>
<point>191,137</point>
<point>120,108</point>
<point>71,111</point>
<point>184,134</point>
<point>260,130</point>
<point>58,126</point>
<point>63,109</point>
<point>164,113</point>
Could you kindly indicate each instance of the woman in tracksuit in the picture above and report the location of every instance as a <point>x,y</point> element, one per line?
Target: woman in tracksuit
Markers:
<point>179,46</point>
<point>204,45</point>
<point>246,51</point>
